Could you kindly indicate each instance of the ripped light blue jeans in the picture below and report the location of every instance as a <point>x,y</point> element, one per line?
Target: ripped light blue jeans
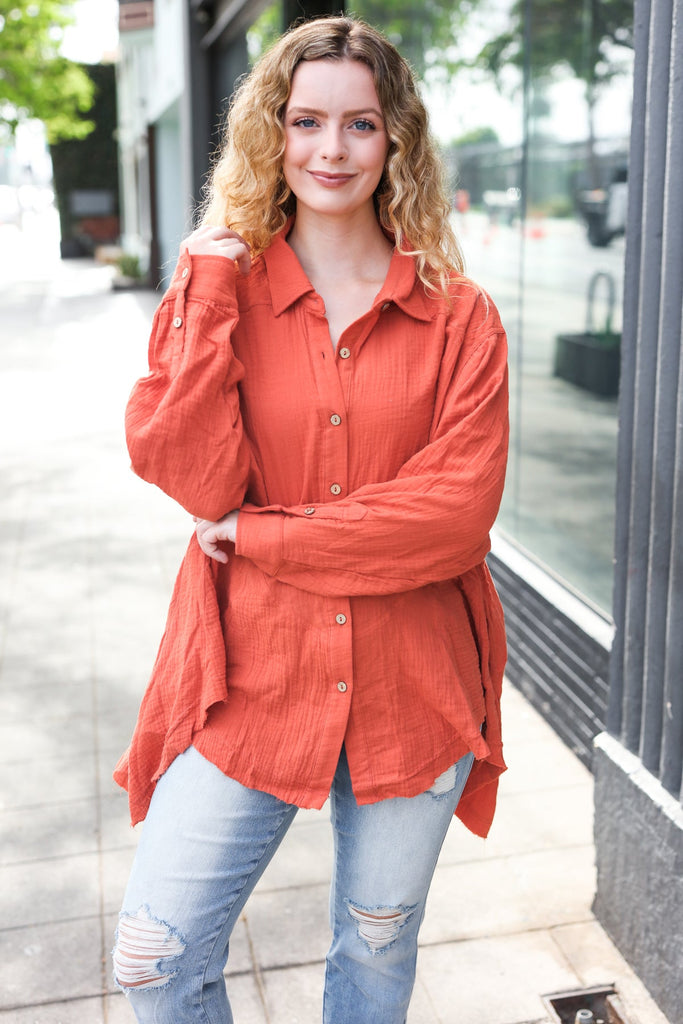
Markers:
<point>206,842</point>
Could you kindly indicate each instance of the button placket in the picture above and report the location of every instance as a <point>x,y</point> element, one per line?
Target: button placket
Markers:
<point>177,329</point>
<point>333,421</point>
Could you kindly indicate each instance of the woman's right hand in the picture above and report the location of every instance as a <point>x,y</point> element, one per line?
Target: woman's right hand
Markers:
<point>210,241</point>
<point>211,535</point>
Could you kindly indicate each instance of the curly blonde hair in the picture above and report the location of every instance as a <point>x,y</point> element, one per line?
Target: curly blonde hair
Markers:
<point>248,192</point>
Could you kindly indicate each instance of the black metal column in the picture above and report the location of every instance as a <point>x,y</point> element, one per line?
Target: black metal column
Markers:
<point>639,762</point>
<point>645,710</point>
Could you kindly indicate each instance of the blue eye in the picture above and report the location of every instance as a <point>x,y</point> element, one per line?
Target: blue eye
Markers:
<point>363,125</point>
<point>305,122</point>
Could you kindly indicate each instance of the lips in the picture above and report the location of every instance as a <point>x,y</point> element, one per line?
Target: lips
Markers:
<point>328,180</point>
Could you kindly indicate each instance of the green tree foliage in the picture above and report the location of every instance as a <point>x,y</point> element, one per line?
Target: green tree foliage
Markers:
<point>425,31</point>
<point>582,36</point>
<point>476,136</point>
<point>36,81</point>
<point>265,30</point>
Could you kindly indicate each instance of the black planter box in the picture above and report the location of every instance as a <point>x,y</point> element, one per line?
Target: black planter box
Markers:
<point>585,360</point>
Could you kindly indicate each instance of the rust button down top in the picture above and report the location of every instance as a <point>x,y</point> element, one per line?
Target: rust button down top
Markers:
<point>356,607</point>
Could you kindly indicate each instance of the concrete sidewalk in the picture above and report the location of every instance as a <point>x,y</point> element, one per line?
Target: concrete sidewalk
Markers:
<point>88,555</point>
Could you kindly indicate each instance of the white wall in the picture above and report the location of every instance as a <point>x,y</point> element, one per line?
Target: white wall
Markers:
<point>171,210</point>
<point>168,70</point>
<point>150,81</point>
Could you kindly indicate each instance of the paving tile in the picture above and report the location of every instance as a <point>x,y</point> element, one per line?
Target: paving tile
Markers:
<point>246,1001</point>
<point>59,829</point>
<point>116,831</point>
<point>43,687</point>
<point>542,764</point>
<point>421,1009</point>
<point>527,822</point>
<point>240,960</point>
<point>116,865</point>
<point>493,981</point>
<point>50,963</point>
<point>115,726</point>
<point>596,961</point>
<point>49,737</point>
<point>106,762</point>
<point>76,1011</point>
<point>45,891</point>
<point>117,1009</point>
<point>304,857</point>
<point>520,720</point>
<point>294,995</point>
<point>497,897</point>
<point>289,926</point>
<point>50,650</point>
<point>39,783</point>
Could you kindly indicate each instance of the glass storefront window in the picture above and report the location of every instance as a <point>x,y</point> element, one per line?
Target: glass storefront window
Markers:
<point>531,103</point>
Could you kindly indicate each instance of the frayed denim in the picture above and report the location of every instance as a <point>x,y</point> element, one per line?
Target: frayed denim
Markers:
<point>206,842</point>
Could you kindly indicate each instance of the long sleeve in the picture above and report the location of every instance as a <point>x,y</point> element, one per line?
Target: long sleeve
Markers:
<point>183,422</point>
<point>429,523</point>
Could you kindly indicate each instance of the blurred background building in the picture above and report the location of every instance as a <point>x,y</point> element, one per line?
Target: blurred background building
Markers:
<point>556,120</point>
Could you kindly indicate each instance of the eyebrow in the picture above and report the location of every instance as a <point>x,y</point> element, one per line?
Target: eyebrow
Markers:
<point>346,113</point>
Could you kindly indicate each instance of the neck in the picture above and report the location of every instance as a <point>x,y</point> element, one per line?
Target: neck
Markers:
<point>350,245</point>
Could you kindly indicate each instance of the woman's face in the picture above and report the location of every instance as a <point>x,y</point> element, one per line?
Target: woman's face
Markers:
<point>335,139</point>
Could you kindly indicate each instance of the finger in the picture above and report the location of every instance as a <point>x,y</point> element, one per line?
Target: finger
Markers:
<point>205,232</point>
<point>213,551</point>
<point>243,261</point>
<point>219,233</point>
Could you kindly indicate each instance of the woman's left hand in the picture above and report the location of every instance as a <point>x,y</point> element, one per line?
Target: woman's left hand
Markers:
<point>210,535</point>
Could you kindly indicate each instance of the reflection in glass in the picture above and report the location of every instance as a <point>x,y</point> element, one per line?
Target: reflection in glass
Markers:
<point>541,218</point>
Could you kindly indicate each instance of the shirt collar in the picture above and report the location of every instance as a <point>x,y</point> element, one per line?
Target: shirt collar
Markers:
<point>286,277</point>
<point>288,282</point>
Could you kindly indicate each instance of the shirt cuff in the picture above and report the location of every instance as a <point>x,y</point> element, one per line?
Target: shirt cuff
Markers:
<point>260,538</point>
<point>206,277</point>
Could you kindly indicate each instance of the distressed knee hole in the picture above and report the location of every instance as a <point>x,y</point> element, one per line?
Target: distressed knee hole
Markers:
<point>445,782</point>
<point>142,946</point>
<point>379,927</point>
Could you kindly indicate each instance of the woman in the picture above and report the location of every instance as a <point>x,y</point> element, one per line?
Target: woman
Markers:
<point>327,398</point>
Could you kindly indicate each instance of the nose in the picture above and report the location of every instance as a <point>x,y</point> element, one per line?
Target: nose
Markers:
<point>333,146</point>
